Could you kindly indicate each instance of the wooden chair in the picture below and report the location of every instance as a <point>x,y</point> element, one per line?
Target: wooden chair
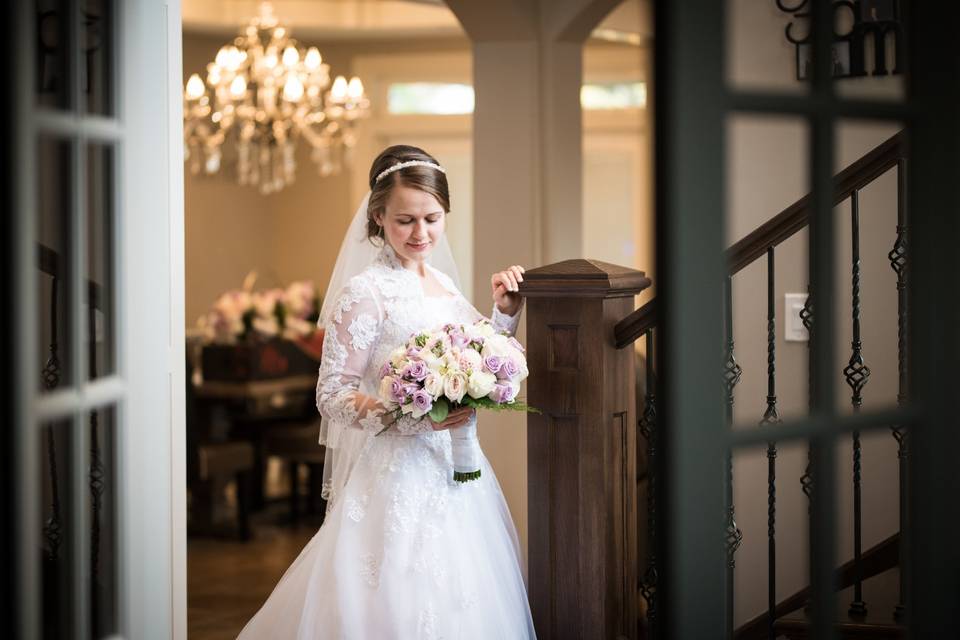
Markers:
<point>217,460</point>
<point>296,444</point>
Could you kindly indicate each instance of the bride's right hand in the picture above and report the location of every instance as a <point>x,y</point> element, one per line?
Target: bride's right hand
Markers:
<point>456,418</point>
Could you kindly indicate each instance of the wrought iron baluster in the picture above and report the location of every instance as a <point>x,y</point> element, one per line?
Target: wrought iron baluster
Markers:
<point>771,416</point>
<point>96,481</point>
<point>648,429</point>
<point>856,373</point>
<point>806,317</point>
<point>898,261</point>
<point>53,527</point>
<point>731,376</point>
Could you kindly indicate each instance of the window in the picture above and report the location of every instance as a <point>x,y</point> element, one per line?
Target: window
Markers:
<point>429,98</point>
<point>449,98</point>
<point>614,95</point>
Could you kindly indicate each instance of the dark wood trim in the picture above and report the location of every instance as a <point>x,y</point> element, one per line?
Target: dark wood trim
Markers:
<point>877,559</point>
<point>582,278</point>
<point>795,217</point>
<point>782,226</point>
<point>635,324</point>
<point>581,452</point>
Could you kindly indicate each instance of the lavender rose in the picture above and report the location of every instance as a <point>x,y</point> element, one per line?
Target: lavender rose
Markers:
<point>493,363</point>
<point>510,369</point>
<point>503,393</point>
<point>397,391</point>
<point>422,402</point>
<point>416,370</point>
<point>410,388</point>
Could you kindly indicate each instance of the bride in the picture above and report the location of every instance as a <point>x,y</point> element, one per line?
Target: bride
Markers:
<point>404,552</point>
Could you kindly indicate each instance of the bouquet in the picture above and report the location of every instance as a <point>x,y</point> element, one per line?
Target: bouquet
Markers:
<point>242,314</point>
<point>456,366</point>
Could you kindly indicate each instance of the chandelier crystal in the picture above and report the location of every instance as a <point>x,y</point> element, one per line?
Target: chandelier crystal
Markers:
<point>265,92</point>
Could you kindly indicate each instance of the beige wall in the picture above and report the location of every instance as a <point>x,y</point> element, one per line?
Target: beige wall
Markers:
<point>767,170</point>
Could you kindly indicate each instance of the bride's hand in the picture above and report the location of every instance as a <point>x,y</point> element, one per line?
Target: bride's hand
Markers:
<point>505,285</point>
<point>456,418</point>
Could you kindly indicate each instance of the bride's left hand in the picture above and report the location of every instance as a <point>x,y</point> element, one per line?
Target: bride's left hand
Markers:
<point>505,285</point>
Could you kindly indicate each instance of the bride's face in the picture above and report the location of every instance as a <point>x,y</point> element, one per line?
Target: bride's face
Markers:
<point>413,223</point>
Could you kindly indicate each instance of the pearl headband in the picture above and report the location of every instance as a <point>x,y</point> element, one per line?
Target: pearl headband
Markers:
<point>404,165</point>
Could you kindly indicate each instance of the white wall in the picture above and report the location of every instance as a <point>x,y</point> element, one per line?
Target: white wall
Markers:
<point>767,170</point>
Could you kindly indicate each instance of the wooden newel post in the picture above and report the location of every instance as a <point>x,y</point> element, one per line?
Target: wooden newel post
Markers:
<point>581,476</point>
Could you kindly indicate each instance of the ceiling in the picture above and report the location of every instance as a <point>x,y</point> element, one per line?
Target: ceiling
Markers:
<point>377,19</point>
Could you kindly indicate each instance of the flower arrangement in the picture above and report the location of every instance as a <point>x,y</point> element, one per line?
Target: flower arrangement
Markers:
<point>456,366</point>
<point>243,314</point>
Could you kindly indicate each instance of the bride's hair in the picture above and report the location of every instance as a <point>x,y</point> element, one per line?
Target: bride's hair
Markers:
<point>424,178</point>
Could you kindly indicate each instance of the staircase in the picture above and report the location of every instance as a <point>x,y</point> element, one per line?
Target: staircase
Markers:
<point>871,576</point>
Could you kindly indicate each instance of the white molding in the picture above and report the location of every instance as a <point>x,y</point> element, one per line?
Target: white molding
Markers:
<point>177,338</point>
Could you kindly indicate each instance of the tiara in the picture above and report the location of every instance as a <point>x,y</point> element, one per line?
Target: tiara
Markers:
<point>404,165</point>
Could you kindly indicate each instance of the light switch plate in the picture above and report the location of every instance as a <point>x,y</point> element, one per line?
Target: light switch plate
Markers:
<point>794,331</point>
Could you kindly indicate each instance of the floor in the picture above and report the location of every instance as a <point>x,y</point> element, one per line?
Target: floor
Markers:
<point>227,581</point>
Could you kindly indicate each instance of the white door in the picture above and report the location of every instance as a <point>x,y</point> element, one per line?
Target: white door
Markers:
<point>98,300</point>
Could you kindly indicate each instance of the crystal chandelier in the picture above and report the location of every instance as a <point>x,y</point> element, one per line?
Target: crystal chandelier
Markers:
<point>265,92</point>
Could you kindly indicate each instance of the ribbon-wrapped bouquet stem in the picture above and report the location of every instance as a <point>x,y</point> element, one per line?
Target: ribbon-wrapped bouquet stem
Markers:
<point>456,366</point>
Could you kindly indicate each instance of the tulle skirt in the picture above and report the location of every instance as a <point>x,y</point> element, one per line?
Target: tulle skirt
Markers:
<point>406,553</point>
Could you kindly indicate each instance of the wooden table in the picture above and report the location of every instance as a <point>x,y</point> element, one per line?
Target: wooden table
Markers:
<point>219,411</point>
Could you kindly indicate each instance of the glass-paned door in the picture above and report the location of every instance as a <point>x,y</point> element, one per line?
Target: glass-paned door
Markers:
<point>95,283</point>
<point>717,63</point>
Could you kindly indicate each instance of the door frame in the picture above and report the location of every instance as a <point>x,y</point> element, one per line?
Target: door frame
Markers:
<point>147,386</point>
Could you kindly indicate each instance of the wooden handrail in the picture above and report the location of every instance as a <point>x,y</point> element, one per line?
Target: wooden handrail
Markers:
<point>781,227</point>
<point>881,557</point>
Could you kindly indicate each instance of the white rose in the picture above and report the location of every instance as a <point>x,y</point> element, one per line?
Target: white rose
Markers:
<point>433,384</point>
<point>471,358</point>
<point>480,383</point>
<point>486,330</point>
<point>398,357</point>
<point>455,386</point>
<point>450,362</point>
<point>433,363</point>
<point>497,345</point>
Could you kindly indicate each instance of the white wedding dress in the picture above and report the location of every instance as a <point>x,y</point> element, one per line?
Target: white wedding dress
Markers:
<point>404,552</point>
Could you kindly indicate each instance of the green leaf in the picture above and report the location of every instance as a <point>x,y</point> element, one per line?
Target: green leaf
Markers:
<point>440,410</point>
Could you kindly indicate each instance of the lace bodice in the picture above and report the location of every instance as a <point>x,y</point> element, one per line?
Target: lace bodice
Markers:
<point>376,312</point>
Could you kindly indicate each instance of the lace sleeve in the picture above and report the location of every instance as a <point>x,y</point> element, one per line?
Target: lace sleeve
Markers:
<point>503,322</point>
<point>351,331</point>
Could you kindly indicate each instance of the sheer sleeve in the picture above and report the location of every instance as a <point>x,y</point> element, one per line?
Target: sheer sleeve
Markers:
<point>503,322</point>
<point>351,332</point>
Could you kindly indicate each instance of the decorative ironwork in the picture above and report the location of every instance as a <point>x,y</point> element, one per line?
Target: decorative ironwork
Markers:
<point>52,527</point>
<point>898,262</point>
<point>731,376</point>
<point>771,416</point>
<point>869,20</point>
<point>857,373</point>
<point>806,480</point>
<point>51,370</point>
<point>96,482</point>
<point>97,475</point>
<point>648,429</point>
